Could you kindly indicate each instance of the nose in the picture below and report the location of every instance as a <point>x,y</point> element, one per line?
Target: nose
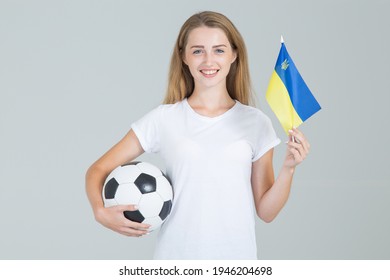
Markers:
<point>208,59</point>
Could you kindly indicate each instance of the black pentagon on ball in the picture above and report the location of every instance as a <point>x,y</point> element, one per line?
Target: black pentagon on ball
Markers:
<point>145,183</point>
<point>165,210</point>
<point>134,216</point>
<point>110,188</point>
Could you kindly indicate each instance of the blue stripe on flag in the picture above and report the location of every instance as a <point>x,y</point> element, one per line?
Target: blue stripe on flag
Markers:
<point>301,97</point>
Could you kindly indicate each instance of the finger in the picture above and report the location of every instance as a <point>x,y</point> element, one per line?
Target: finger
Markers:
<point>295,133</point>
<point>300,139</point>
<point>130,207</point>
<point>300,149</point>
<point>125,232</point>
<point>132,232</point>
<point>134,227</point>
<point>130,223</point>
<point>297,156</point>
<point>126,222</point>
<point>139,226</point>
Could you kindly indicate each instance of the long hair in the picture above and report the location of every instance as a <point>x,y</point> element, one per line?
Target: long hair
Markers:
<point>180,81</point>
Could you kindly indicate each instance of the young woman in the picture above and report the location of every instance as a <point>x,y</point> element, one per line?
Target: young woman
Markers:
<point>217,149</point>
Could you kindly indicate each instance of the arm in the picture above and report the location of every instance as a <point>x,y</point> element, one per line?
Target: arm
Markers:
<point>112,217</point>
<point>271,195</point>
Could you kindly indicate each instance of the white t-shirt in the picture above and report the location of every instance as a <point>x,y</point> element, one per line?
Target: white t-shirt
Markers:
<point>208,161</point>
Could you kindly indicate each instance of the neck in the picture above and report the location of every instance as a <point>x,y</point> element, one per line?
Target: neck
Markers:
<point>211,103</point>
<point>211,98</point>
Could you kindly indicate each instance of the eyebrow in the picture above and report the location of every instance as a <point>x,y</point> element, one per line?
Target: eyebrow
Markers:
<point>202,47</point>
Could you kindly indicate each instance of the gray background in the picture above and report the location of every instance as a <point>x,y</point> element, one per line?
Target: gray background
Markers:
<point>75,74</point>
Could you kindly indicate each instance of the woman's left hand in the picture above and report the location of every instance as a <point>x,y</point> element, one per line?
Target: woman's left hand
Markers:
<point>297,148</point>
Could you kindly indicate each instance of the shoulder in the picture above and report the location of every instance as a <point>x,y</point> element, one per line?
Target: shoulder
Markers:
<point>174,106</point>
<point>164,109</point>
<point>170,109</point>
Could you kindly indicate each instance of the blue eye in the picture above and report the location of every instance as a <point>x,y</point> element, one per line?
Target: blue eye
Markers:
<point>219,51</point>
<point>197,52</point>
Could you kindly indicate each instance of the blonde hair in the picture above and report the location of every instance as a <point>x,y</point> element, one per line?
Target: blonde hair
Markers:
<point>180,81</point>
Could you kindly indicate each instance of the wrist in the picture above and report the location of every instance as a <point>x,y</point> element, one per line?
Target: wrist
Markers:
<point>97,211</point>
<point>288,169</point>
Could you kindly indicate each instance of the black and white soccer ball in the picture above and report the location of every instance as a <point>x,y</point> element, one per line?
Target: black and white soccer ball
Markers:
<point>141,184</point>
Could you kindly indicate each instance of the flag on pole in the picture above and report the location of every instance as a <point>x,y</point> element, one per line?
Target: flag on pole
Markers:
<point>288,95</point>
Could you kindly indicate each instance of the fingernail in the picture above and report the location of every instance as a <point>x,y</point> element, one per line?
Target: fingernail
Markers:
<point>135,207</point>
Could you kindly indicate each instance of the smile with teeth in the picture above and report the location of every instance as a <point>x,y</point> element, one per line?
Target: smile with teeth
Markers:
<point>209,72</point>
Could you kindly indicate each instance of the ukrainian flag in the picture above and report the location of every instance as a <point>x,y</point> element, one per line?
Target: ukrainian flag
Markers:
<point>288,95</point>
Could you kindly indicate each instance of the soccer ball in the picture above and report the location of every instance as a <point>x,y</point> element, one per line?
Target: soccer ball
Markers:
<point>141,184</point>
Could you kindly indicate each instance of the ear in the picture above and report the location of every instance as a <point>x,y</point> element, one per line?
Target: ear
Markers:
<point>234,56</point>
<point>183,57</point>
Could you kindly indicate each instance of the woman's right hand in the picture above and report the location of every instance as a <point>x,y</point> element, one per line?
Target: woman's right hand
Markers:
<point>114,219</point>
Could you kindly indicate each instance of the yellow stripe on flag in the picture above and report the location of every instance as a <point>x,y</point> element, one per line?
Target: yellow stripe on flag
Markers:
<point>280,102</point>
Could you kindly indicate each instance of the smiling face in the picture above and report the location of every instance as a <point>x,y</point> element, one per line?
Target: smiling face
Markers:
<point>208,55</point>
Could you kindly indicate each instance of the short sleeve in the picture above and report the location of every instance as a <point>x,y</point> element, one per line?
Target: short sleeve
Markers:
<point>147,130</point>
<point>266,137</point>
